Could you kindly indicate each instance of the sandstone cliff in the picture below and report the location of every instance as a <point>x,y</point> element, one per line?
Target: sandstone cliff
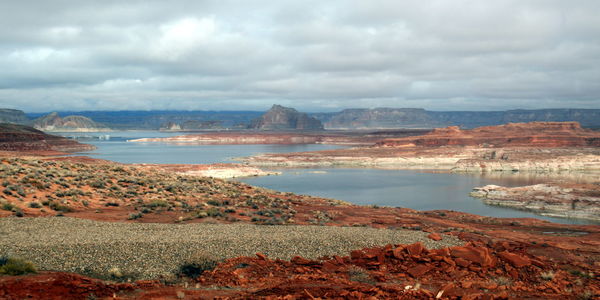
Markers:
<point>53,122</point>
<point>24,138</point>
<point>535,134</point>
<point>285,118</point>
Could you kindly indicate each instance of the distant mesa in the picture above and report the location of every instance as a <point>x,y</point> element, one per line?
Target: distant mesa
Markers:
<point>54,123</point>
<point>533,134</point>
<point>387,118</point>
<point>285,118</point>
<point>13,116</point>
<point>15,137</point>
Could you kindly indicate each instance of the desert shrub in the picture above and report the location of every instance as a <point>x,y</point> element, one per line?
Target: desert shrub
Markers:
<point>16,266</point>
<point>214,203</point>
<point>34,205</point>
<point>134,216</point>
<point>111,204</point>
<point>157,203</point>
<point>197,264</point>
<point>97,184</point>
<point>7,206</point>
<point>214,212</point>
<point>59,207</point>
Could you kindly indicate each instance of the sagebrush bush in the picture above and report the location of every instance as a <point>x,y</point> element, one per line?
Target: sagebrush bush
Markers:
<point>16,266</point>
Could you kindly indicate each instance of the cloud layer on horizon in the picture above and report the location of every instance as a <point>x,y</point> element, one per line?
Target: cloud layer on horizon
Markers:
<point>312,55</point>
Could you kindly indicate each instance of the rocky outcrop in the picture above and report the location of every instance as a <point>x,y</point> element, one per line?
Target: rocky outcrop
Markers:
<point>53,122</point>
<point>559,200</point>
<point>23,138</point>
<point>285,118</point>
<point>535,134</point>
<point>13,116</point>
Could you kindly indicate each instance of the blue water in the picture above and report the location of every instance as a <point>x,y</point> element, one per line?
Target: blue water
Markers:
<point>118,149</point>
<point>421,190</point>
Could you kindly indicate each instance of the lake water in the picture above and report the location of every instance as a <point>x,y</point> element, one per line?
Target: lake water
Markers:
<point>118,149</point>
<point>421,190</point>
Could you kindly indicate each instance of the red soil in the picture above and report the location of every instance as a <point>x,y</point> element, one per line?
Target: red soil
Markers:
<point>535,134</point>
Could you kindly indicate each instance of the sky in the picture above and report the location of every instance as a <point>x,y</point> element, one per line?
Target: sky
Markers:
<point>311,55</point>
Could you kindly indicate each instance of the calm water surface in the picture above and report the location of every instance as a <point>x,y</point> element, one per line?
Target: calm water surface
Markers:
<point>118,149</point>
<point>421,190</point>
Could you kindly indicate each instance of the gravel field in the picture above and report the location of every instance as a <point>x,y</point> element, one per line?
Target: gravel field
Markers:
<point>152,251</point>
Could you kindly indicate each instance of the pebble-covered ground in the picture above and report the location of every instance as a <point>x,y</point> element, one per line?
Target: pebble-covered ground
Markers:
<point>154,251</point>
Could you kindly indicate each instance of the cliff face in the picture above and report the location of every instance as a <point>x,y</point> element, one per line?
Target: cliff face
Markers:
<point>535,134</point>
<point>13,116</point>
<point>285,118</point>
<point>53,122</point>
<point>24,138</point>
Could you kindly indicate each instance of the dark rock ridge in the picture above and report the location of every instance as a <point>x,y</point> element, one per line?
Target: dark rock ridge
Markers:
<point>420,118</point>
<point>53,122</point>
<point>12,116</point>
<point>15,137</point>
<point>285,118</point>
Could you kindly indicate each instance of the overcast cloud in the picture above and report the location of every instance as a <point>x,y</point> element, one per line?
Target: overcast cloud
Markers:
<point>312,55</point>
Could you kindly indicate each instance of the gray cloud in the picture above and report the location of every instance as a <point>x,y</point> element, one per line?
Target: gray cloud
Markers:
<point>313,55</point>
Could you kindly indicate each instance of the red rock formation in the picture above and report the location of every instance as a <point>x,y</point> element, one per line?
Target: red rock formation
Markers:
<point>24,138</point>
<point>535,134</point>
<point>500,270</point>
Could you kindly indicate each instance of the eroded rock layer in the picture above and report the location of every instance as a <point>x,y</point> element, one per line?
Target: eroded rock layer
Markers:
<point>555,199</point>
<point>535,134</point>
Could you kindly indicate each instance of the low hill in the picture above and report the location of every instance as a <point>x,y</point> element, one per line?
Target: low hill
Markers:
<point>53,122</point>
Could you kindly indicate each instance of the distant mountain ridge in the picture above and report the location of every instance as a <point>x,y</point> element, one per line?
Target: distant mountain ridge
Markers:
<point>378,118</point>
<point>421,118</point>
